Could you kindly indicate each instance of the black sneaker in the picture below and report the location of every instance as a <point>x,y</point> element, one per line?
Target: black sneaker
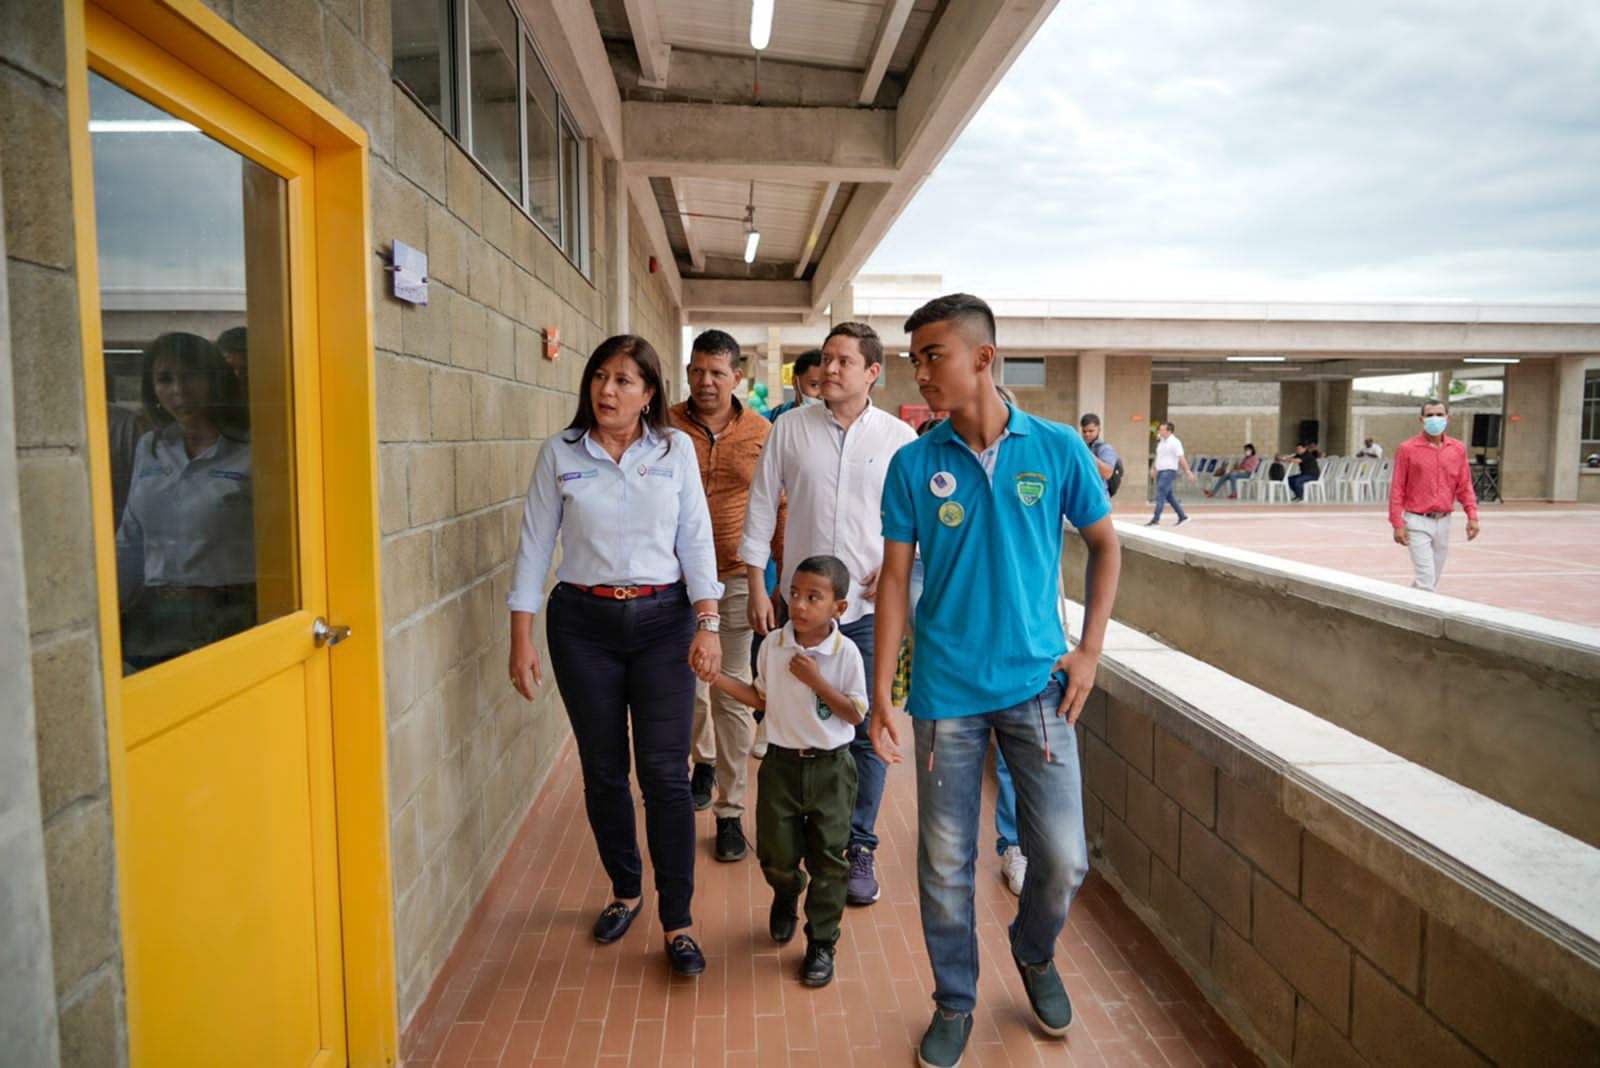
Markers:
<point>945,1039</point>
<point>1153,523</point>
<point>1046,994</point>
<point>1181,521</point>
<point>701,784</point>
<point>683,953</point>
<point>861,886</point>
<point>730,839</point>
<point>817,969</point>
<point>783,917</point>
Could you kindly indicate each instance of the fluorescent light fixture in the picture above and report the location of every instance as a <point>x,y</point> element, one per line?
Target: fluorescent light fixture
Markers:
<point>751,240</point>
<point>1491,359</point>
<point>1257,359</point>
<point>761,23</point>
<point>141,126</point>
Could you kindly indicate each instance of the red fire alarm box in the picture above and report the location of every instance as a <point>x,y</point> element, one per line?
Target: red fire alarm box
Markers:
<point>552,342</point>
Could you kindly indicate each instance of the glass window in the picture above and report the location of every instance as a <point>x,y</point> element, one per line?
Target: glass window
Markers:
<point>421,36</point>
<point>544,152</point>
<point>1591,409</point>
<point>572,194</point>
<point>1022,372</point>
<point>194,254</point>
<point>492,45</point>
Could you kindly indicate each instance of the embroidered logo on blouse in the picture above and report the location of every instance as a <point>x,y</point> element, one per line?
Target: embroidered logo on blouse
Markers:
<point>658,472</point>
<point>568,476</point>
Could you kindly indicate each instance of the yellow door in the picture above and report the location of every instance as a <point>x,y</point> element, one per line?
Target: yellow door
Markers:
<point>228,853</point>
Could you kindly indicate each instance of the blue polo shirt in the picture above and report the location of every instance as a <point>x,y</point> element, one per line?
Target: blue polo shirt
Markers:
<point>988,632</point>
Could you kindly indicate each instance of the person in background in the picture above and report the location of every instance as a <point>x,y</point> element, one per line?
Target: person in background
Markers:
<point>632,620</point>
<point>1241,471</point>
<point>807,382</point>
<point>1307,457</point>
<point>991,483</point>
<point>1431,473</point>
<point>186,560</point>
<point>234,344</point>
<point>812,688</point>
<point>830,460</point>
<point>728,438</point>
<point>1371,449</point>
<point>1105,454</point>
<point>1168,462</point>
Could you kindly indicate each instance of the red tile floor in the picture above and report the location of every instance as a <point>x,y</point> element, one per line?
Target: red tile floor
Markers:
<point>1538,558</point>
<point>526,985</point>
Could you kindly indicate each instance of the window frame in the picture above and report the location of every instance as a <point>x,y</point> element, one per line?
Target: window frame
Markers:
<point>1029,361</point>
<point>1589,414</point>
<point>455,95</point>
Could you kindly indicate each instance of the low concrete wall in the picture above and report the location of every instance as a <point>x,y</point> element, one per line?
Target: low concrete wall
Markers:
<point>1506,703</point>
<point>1339,905</point>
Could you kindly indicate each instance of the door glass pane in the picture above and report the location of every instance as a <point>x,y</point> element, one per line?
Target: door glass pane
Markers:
<point>194,294</point>
<point>492,45</point>
<point>544,157</point>
<point>573,199</point>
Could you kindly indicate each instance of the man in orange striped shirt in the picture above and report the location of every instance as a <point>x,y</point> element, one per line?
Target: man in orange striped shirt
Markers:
<point>1431,473</point>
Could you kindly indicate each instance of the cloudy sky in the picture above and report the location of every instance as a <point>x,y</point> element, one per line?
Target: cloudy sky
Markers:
<point>1278,149</point>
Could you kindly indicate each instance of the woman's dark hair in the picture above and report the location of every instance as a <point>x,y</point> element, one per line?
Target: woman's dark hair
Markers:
<point>1251,447</point>
<point>194,355</point>
<point>644,357</point>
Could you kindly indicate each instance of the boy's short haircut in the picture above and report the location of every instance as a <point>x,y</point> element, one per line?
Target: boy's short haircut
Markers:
<point>962,308</point>
<point>717,343</point>
<point>866,337</point>
<point>830,568</point>
<point>1171,426</point>
<point>807,361</point>
<point>1089,419</point>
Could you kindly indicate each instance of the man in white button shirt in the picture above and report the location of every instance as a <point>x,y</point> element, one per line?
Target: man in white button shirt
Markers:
<point>830,461</point>
<point>1169,459</point>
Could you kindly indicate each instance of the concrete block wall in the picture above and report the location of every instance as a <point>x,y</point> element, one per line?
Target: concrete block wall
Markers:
<point>1057,399</point>
<point>52,507</point>
<point>1530,394</point>
<point>1209,431</point>
<point>1313,955</point>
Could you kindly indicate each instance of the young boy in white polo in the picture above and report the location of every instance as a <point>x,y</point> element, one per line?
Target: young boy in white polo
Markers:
<point>812,685</point>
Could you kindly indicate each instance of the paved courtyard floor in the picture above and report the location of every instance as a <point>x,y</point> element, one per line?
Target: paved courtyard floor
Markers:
<point>1543,559</point>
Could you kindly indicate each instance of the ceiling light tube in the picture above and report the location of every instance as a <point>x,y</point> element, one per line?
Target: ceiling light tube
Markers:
<point>761,23</point>
<point>1257,359</point>
<point>751,240</point>
<point>1491,359</point>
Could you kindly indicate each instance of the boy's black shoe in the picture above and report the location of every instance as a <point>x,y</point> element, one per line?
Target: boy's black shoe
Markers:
<point>730,839</point>
<point>701,783</point>
<point>1046,995</point>
<point>782,919</point>
<point>945,1039</point>
<point>817,968</point>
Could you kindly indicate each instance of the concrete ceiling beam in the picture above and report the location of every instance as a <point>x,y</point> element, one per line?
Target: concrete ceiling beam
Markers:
<point>691,238</point>
<point>890,28</point>
<point>668,140</point>
<point>643,199</point>
<point>819,218</point>
<point>655,55</point>
<point>972,46</point>
<point>569,39</point>
<point>734,296</point>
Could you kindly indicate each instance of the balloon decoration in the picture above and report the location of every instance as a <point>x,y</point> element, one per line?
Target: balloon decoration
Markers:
<point>757,397</point>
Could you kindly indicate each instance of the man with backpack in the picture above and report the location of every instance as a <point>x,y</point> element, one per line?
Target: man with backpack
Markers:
<point>1105,456</point>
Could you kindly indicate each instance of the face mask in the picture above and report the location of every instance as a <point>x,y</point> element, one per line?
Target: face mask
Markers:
<point>1434,425</point>
<point>806,402</point>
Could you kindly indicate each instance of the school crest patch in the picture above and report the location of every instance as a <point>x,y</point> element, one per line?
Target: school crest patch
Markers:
<point>1030,488</point>
<point>951,513</point>
<point>823,711</point>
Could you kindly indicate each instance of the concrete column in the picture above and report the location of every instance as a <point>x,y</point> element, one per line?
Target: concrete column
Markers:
<point>1092,383</point>
<point>1527,455</point>
<point>1297,401</point>
<point>843,308</point>
<point>1566,431</point>
<point>772,365</point>
<point>1337,418</point>
<point>1441,385</point>
<point>1126,418</point>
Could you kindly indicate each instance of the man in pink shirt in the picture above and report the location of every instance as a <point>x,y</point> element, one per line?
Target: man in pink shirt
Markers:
<point>1430,475</point>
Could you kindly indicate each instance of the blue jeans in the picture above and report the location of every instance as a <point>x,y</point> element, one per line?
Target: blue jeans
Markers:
<point>870,769</point>
<point>1050,827</point>
<point>1166,483</point>
<point>1005,806</point>
<point>1297,485</point>
<point>1231,480</point>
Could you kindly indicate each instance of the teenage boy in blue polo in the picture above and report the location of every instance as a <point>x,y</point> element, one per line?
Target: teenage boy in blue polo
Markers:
<point>983,496</point>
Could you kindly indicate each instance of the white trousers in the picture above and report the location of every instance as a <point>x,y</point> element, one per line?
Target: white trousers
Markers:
<point>1429,542</point>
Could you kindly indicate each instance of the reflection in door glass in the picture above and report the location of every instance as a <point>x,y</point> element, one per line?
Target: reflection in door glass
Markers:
<point>193,259</point>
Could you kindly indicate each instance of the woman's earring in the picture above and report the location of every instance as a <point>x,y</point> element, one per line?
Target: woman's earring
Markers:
<point>646,412</point>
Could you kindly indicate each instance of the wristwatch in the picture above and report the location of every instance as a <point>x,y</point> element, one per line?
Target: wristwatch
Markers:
<point>709,623</point>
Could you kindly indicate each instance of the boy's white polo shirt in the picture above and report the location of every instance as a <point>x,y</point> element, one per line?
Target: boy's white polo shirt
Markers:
<point>796,717</point>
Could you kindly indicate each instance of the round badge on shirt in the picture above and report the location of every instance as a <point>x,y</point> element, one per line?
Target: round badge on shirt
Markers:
<point>951,513</point>
<point>643,470</point>
<point>942,484</point>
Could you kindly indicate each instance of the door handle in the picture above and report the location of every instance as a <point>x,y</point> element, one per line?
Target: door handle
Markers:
<point>322,634</point>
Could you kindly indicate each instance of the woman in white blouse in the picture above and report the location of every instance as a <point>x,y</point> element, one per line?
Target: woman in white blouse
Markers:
<point>621,490</point>
<point>186,559</point>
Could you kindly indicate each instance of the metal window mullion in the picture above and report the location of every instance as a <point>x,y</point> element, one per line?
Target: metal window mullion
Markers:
<point>524,196</point>
<point>447,94</point>
<point>463,75</point>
